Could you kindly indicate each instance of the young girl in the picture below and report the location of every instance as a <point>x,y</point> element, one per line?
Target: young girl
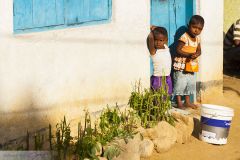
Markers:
<point>161,58</point>
<point>185,62</point>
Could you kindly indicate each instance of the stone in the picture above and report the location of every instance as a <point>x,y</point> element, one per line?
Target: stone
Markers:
<point>163,135</point>
<point>146,148</point>
<point>187,119</point>
<point>130,149</point>
<point>163,144</point>
<point>184,126</point>
<point>162,130</point>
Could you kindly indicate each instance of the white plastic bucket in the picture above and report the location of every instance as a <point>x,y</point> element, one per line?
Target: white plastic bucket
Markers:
<point>215,123</point>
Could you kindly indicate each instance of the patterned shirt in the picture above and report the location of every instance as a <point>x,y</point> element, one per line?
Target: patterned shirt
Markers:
<point>190,46</point>
<point>232,34</point>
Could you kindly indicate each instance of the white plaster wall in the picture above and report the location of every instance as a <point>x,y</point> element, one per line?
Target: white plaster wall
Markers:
<point>211,60</point>
<point>83,66</point>
<point>210,76</point>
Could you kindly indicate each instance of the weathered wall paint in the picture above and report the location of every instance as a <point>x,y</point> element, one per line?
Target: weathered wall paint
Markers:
<point>231,13</point>
<point>85,66</point>
<point>46,75</point>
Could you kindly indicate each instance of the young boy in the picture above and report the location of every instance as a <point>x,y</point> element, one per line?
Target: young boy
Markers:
<point>185,62</point>
<point>157,44</point>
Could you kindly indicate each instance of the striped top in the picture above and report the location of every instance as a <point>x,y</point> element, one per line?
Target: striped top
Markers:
<point>232,34</point>
<point>190,46</point>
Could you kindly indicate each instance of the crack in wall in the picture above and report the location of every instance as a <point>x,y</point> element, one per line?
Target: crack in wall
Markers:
<point>175,13</point>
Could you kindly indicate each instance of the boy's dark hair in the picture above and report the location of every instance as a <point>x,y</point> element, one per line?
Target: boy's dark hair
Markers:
<point>160,30</point>
<point>196,19</point>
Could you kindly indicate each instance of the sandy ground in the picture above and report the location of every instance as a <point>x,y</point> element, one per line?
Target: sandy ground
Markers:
<point>198,150</point>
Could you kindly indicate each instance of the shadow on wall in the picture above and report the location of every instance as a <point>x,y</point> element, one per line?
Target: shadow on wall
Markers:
<point>231,55</point>
<point>179,32</point>
<point>20,130</point>
<point>21,119</point>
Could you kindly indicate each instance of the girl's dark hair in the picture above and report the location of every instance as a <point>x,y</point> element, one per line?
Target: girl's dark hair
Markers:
<point>196,19</point>
<point>160,30</point>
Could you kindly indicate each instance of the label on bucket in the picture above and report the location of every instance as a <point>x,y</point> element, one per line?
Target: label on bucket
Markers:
<point>215,122</point>
<point>208,134</point>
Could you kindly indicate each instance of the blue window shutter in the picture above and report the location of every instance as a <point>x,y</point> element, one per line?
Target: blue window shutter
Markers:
<point>60,13</point>
<point>34,15</point>
<point>80,11</point>
<point>48,13</point>
<point>77,11</point>
<point>22,12</point>
<point>99,9</point>
<point>38,13</point>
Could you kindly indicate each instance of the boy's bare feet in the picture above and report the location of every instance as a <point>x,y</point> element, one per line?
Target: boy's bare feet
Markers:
<point>190,105</point>
<point>179,103</point>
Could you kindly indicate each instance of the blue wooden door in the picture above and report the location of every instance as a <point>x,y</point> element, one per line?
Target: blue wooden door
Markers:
<point>174,15</point>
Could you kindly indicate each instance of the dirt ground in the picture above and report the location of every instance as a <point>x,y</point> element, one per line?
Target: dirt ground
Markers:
<point>198,150</point>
